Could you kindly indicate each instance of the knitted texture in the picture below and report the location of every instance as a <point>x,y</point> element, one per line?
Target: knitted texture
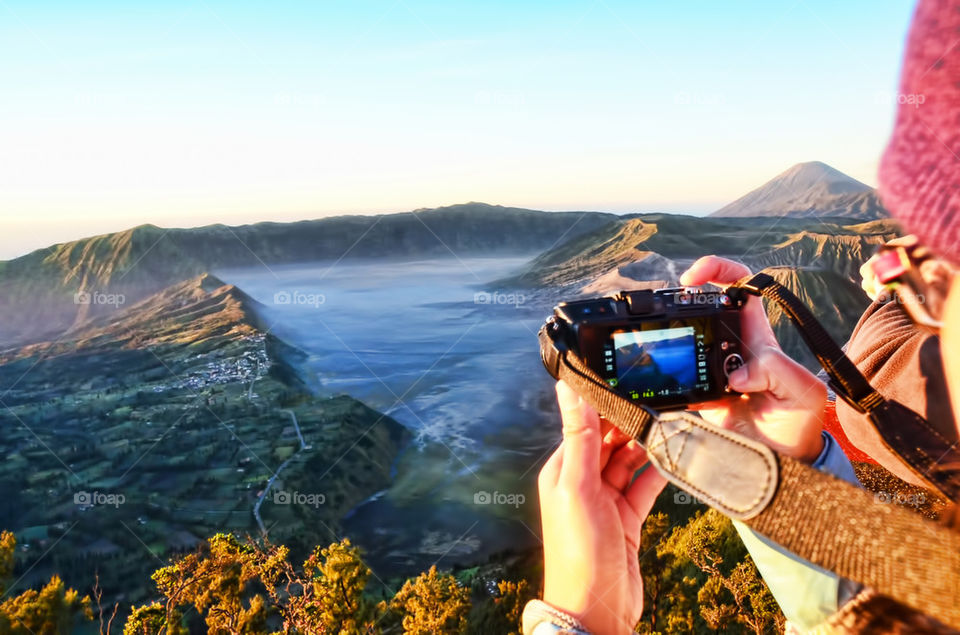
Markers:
<point>920,171</point>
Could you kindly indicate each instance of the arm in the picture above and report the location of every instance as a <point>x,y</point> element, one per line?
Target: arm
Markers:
<point>591,509</point>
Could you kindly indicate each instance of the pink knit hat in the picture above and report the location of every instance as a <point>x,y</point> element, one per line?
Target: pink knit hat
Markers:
<point>920,170</point>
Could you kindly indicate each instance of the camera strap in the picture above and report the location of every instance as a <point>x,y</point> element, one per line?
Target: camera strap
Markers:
<point>923,449</point>
<point>815,515</point>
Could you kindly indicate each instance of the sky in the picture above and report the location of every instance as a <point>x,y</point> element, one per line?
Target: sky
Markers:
<point>114,114</point>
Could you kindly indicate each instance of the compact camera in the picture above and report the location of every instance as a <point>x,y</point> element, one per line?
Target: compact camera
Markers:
<point>664,348</point>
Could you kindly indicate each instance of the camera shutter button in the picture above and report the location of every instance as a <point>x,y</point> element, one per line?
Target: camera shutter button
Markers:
<point>731,363</point>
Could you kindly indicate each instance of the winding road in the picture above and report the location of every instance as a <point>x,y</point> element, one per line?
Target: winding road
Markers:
<point>266,490</point>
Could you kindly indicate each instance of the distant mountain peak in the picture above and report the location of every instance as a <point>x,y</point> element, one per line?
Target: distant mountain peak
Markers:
<point>812,188</point>
<point>814,172</point>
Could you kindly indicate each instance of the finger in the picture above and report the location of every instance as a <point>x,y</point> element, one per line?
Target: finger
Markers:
<point>581,438</point>
<point>550,471</point>
<point>775,373</point>
<point>755,327</point>
<point>612,441</point>
<point>714,269</point>
<point>753,376</point>
<point>624,464</point>
<point>605,427</point>
<point>716,414</point>
<point>643,492</point>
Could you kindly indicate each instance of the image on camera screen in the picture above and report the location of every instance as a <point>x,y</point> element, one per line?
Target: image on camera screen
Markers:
<point>656,362</point>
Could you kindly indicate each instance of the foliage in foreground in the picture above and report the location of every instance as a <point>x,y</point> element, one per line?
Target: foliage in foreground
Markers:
<point>697,578</point>
<point>51,610</point>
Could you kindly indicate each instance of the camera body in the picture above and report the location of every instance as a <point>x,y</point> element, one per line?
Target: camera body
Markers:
<point>664,348</point>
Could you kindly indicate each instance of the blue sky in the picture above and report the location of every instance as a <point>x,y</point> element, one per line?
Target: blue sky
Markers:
<point>115,114</point>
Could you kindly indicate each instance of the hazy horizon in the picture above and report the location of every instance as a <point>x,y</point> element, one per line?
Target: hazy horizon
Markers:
<point>185,115</point>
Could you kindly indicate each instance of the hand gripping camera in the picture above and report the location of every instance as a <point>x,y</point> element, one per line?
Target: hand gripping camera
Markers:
<point>666,349</point>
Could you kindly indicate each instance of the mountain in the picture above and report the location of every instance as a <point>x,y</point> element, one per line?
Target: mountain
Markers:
<point>836,302</point>
<point>819,261</point>
<point>811,189</point>
<point>758,242</point>
<point>69,283</point>
<point>187,418</point>
<point>839,252</point>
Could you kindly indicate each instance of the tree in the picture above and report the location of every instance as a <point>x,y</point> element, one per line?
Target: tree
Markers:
<point>511,600</point>
<point>151,619</point>
<point>502,613</point>
<point>49,611</point>
<point>336,602</point>
<point>8,544</point>
<point>753,605</point>
<point>216,585</point>
<point>732,593</point>
<point>237,585</point>
<point>653,568</point>
<point>432,603</point>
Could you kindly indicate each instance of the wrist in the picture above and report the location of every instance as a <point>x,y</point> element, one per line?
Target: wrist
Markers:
<point>813,450</point>
<point>594,615</point>
<point>542,618</point>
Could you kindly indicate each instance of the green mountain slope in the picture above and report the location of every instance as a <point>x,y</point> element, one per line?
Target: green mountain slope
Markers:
<point>185,408</point>
<point>38,291</point>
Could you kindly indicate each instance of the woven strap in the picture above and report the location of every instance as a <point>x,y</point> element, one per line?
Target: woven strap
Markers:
<point>630,418</point>
<point>844,529</point>
<point>931,457</point>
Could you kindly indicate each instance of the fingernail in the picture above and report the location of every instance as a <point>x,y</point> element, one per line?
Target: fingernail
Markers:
<point>566,397</point>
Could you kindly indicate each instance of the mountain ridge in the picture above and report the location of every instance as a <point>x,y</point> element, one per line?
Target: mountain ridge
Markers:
<point>143,260</point>
<point>818,261</point>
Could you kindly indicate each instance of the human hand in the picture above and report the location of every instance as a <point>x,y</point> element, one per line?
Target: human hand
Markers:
<point>782,402</point>
<point>592,514</point>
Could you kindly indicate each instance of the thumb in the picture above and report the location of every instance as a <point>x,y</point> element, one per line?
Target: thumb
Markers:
<point>581,438</point>
<point>773,372</point>
<point>754,376</point>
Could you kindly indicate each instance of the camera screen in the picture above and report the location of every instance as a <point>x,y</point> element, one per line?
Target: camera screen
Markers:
<point>657,362</point>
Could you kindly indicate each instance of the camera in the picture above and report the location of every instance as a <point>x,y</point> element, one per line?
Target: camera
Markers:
<point>664,348</point>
